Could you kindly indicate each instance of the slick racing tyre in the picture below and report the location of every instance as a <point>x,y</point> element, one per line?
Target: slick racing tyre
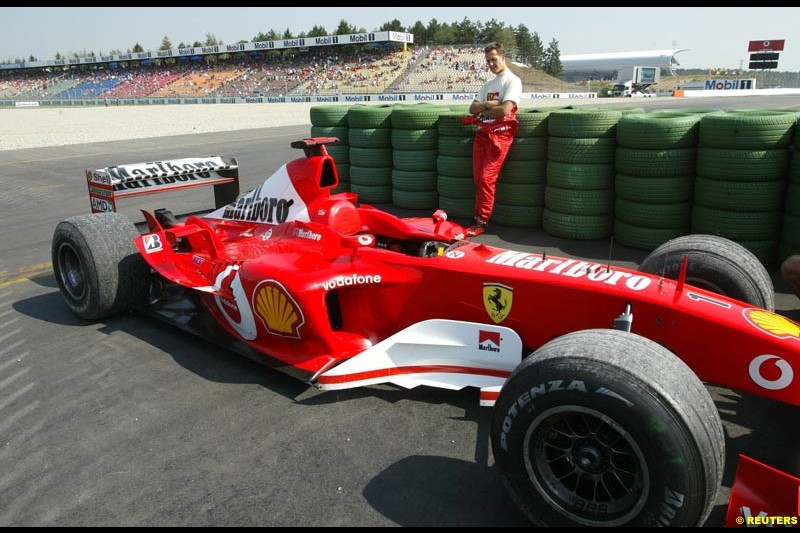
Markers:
<point>715,264</point>
<point>606,428</point>
<point>97,265</point>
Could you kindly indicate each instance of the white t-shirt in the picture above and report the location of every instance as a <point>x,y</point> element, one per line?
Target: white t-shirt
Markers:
<point>503,87</point>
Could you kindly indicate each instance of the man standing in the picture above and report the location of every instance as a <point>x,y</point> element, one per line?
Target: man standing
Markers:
<point>495,110</point>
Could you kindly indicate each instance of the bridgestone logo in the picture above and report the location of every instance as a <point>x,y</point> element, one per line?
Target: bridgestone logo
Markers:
<point>350,280</point>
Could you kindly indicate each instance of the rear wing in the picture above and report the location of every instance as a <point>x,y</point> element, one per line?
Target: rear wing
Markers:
<point>107,185</point>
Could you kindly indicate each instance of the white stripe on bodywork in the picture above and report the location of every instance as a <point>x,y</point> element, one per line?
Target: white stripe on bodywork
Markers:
<point>431,343</point>
<point>278,186</point>
<point>246,325</point>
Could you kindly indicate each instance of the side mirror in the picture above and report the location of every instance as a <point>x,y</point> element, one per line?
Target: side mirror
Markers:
<point>439,216</point>
<point>357,241</point>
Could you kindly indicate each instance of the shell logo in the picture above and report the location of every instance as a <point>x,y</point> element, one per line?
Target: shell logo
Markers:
<point>279,312</point>
<point>772,323</point>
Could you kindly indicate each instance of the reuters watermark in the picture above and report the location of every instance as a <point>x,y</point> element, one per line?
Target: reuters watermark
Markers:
<point>768,521</point>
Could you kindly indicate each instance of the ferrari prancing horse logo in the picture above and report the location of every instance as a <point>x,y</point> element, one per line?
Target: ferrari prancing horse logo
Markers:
<point>497,300</point>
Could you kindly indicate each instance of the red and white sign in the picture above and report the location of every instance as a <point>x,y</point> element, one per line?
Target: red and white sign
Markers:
<point>775,45</point>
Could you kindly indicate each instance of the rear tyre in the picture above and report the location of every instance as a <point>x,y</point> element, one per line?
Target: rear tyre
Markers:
<point>715,264</point>
<point>97,265</point>
<point>584,435</point>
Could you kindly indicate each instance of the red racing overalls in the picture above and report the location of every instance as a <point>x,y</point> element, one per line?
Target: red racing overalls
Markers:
<point>492,142</point>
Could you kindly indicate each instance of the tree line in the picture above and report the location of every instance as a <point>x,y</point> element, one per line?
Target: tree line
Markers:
<point>521,44</point>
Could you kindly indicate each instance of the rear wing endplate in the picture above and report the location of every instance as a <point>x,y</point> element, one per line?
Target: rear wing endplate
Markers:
<point>107,185</point>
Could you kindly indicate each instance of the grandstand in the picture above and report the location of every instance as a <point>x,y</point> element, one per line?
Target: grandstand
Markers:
<point>323,71</point>
<point>141,83</point>
<point>447,69</point>
<point>203,80</point>
<point>92,86</point>
<point>264,76</point>
<point>364,73</point>
<point>238,76</point>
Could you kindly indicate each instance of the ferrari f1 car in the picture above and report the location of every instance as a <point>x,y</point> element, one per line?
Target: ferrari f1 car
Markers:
<point>599,419</point>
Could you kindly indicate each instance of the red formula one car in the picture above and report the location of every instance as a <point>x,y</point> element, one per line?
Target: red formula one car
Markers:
<point>599,418</point>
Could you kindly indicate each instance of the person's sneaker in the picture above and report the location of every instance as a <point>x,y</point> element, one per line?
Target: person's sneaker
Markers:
<point>476,229</point>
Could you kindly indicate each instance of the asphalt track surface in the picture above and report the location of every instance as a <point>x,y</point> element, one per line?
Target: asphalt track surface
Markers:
<point>127,422</point>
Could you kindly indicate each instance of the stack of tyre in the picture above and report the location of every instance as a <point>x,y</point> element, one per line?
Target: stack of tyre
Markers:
<point>789,243</point>
<point>579,195</point>
<point>331,121</point>
<point>454,164</point>
<point>627,110</point>
<point>742,164</point>
<point>415,141</point>
<point>370,137</point>
<point>519,196</point>
<point>655,164</point>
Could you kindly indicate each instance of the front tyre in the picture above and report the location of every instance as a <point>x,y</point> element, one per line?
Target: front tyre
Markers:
<point>715,264</point>
<point>607,428</point>
<point>97,265</point>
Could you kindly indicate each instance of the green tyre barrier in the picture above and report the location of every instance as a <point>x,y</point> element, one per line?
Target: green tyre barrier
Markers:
<point>658,131</point>
<point>520,194</point>
<point>583,123</point>
<point>457,207</point>
<point>370,137</point>
<point>329,115</point>
<point>667,162</point>
<point>748,130</point>
<point>372,194</point>
<point>740,195</point>
<point>653,215</point>
<point>373,176</point>
<point>517,216</point>
<point>578,176</point>
<point>579,202</point>
<point>743,165</point>
<point>736,225</point>
<point>331,131</point>
<point>370,116</point>
<point>455,187</point>
<point>415,199</point>
<point>581,227</point>
<point>655,190</point>
<point>643,238</point>
<point>585,151</point>
<point>415,139</point>
<point>414,180</point>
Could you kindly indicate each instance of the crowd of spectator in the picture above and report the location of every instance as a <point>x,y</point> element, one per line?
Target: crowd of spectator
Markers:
<point>263,77</point>
<point>33,84</point>
<point>448,68</point>
<point>141,83</point>
<point>322,72</point>
<point>354,73</point>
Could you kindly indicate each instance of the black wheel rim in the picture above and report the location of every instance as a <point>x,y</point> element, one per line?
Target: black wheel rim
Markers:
<point>70,271</point>
<point>586,466</point>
